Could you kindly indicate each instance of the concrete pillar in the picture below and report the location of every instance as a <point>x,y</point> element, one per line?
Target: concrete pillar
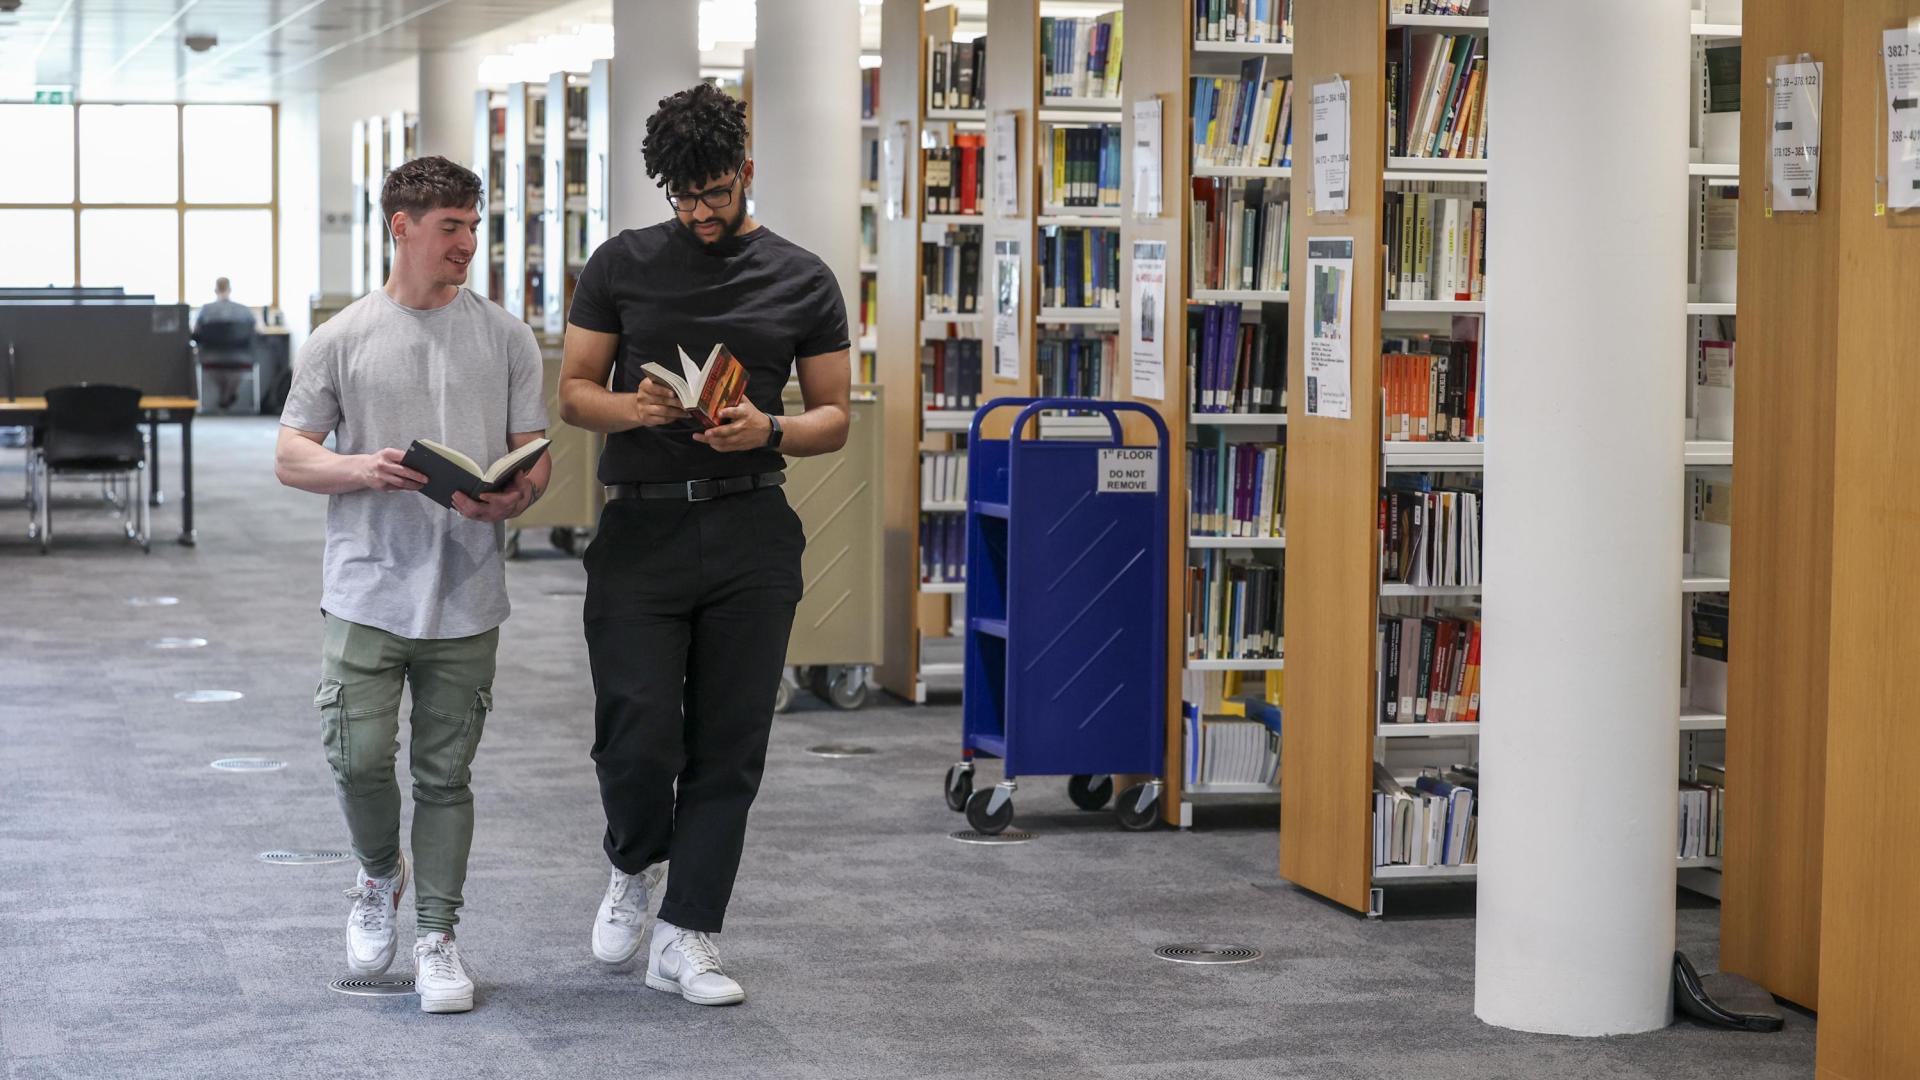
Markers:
<point>806,131</point>
<point>656,52</point>
<point>1586,233</point>
<point>448,78</point>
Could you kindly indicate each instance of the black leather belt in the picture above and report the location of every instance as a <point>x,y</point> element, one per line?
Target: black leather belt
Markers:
<point>697,490</point>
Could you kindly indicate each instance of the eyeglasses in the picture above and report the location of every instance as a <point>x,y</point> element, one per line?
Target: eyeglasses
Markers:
<point>717,198</point>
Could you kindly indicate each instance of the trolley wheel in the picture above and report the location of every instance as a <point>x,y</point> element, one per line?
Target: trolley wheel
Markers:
<point>564,539</point>
<point>1090,792</point>
<point>984,823</point>
<point>783,697</point>
<point>846,687</point>
<point>959,786</point>
<point>1134,816</point>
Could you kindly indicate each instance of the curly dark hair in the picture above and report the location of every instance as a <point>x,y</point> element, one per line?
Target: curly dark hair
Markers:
<point>429,183</point>
<point>696,133</point>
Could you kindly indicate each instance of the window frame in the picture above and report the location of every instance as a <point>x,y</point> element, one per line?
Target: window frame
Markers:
<point>181,204</point>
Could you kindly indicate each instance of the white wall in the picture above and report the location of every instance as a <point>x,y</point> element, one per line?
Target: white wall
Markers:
<point>375,94</point>
<point>300,210</point>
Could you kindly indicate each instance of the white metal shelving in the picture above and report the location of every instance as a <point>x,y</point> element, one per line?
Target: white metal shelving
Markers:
<point>950,588</point>
<point>1274,664</point>
<point>1237,543</point>
<point>1701,452</point>
<point>1448,729</point>
<point>1465,24</point>
<point>1079,316</point>
<point>1245,172</point>
<point>1245,48</point>
<point>1394,588</point>
<point>1693,584</point>
<point>1444,307</point>
<point>1237,419</point>
<point>1238,296</point>
<point>1420,456</point>
<point>1696,719</point>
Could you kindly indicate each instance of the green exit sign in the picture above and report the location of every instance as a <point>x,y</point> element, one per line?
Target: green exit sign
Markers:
<point>53,97</point>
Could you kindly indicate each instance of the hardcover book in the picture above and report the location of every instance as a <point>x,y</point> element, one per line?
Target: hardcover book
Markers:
<point>448,470</point>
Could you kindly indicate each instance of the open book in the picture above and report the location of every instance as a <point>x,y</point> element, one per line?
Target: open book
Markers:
<point>705,390</point>
<point>448,470</point>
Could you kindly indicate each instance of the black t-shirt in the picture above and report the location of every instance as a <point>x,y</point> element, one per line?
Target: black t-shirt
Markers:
<point>770,300</point>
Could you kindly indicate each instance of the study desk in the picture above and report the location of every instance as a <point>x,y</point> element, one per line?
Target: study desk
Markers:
<point>31,412</point>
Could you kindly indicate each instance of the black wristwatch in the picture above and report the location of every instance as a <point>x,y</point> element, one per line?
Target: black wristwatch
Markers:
<point>773,438</point>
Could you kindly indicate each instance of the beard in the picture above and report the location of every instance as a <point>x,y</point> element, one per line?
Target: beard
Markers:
<point>729,222</point>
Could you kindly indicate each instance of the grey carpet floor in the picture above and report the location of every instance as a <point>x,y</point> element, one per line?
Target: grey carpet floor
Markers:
<point>140,937</point>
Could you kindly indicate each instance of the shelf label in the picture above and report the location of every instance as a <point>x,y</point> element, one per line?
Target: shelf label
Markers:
<point>1331,137</point>
<point>1129,470</point>
<point>1147,319</point>
<point>1146,158</point>
<point>1900,57</point>
<point>1006,178</point>
<point>1330,335</point>
<point>1006,309</point>
<point>1793,170</point>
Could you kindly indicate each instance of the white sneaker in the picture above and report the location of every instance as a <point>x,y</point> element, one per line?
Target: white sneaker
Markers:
<point>370,925</point>
<point>685,962</point>
<point>439,977</point>
<point>621,926</point>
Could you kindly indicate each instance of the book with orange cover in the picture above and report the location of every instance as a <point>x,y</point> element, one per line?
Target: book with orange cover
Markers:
<point>705,390</point>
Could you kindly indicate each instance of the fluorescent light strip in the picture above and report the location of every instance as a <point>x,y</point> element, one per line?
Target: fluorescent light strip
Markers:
<point>148,40</point>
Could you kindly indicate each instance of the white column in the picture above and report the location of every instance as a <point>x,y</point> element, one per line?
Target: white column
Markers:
<point>656,47</point>
<point>1586,232</point>
<point>448,78</point>
<point>806,131</point>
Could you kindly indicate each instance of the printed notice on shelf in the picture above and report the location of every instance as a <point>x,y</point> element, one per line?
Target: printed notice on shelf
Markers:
<point>1129,470</point>
<point>1006,309</point>
<point>1146,158</point>
<point>1330,140</point>
<point>1330,337</point>
<point>894,150</point>
<point>1148,321</point>
<point>1900,57</point>
<point>1006,178</point>
<point>1794,165</point>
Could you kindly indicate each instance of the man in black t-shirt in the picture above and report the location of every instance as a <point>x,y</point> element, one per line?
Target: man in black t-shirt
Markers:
<point>694,573</point>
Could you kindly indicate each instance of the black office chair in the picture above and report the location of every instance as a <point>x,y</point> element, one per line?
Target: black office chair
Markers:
<point>93,432</point>
<point>227,341</point>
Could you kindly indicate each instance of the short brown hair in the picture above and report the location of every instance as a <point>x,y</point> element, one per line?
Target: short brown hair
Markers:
<point>427,184</point>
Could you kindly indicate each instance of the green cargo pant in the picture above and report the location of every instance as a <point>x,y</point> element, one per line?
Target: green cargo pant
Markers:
<point>361,672</point>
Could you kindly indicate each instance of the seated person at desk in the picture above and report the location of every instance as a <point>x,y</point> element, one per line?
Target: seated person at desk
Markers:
<point>226,349</point>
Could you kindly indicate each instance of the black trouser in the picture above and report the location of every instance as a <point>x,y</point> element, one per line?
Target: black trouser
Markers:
<point>687,614</point>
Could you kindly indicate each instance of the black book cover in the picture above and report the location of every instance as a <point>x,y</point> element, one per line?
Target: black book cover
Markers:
<point>448,471</point>
<point>970,274</point>
<point>937,80</point>
<point>1429,627</point>
<point>963,86</point>
<point>1390,658</point>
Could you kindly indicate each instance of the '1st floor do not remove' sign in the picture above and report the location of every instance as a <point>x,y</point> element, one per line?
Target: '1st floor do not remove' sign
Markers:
<point>1129,471</point>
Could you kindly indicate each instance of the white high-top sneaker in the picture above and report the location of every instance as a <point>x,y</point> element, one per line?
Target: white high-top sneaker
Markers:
<point>685,962</point>
<point>621,926</point>
<point>370,925</point>
<point>439,977</point>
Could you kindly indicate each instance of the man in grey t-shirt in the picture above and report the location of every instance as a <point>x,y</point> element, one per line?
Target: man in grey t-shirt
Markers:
<point>414,594</point>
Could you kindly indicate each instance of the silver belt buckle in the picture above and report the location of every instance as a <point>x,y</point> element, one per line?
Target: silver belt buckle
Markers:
<point>692,498</point>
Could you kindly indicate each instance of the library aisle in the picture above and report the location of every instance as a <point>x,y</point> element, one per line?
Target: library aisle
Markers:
<point>873,945</point>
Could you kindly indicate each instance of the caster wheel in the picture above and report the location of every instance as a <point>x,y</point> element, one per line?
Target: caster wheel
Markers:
<point>984,823</point>
<point>1134,816</point>
<point>564,540</point>
<point>783,697</point>
<point>1090,792</point>
<point>846,688</point>
<point>959,787</point>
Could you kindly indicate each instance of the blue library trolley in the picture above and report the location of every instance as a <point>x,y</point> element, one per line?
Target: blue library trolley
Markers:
<point>1066,627</point>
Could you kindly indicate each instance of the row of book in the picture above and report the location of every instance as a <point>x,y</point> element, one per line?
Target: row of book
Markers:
<point>1079,266</point>
<point>950,272</point>
<point>1230,750</point>
<point>869,305</point>
<point>1075,362</point>
<point>950,373</point>
<point>1431,391</point>
<point>957,73</point>
<point>869,93</point>
<point>943,476</point>
<point>943,548</point>
<point>1436,95</point>
<point>1243,121</point>
<point>1429,537</point>
<point>1429,668</point>
<point>1436,246</point>
<point>1081,57</point>
<point>1234,607</point>
<point>1702,808</point>
<point>1237,489</point>
<point>1240,235</point>
<point>1082,165</point>
<point>1432,823</point>
<point>953,178</point>
<point>1235,365</point>
<point>1243,20</point>
<point>1437,7</point>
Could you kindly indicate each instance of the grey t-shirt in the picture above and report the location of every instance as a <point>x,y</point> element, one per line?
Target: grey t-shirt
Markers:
<point>381,375</point>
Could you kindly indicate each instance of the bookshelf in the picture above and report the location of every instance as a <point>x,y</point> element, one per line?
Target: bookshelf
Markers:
<point>522,290</point>
<point>564,243</point>
<point>487,272</point>
<point>379,144</point>
<point>867,342</point>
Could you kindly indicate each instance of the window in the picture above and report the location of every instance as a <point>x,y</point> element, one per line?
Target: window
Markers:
<point>116,170</point>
